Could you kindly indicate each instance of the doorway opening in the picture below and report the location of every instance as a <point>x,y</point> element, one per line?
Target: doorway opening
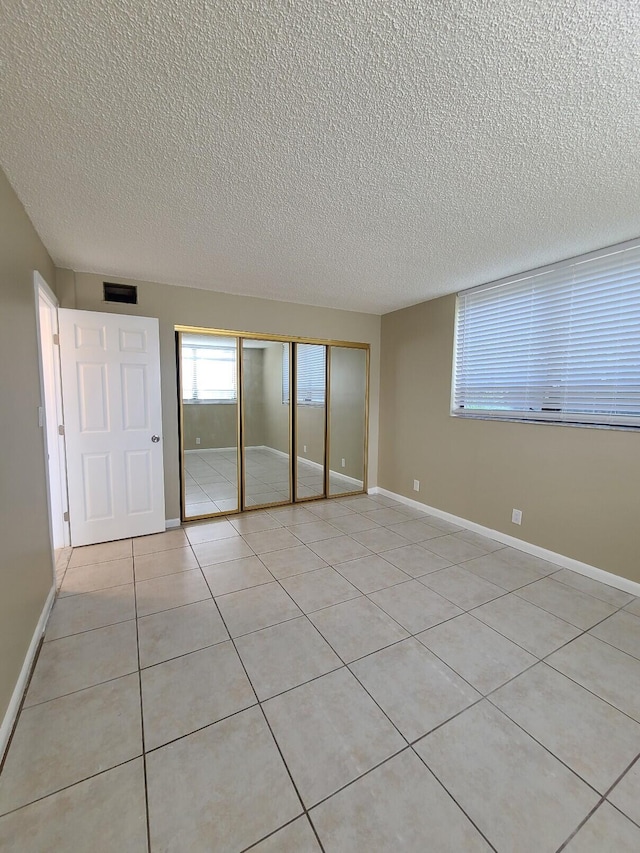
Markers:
<point>51,415</point>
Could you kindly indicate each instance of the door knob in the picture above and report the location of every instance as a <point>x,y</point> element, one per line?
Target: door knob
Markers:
<point>155,439</point>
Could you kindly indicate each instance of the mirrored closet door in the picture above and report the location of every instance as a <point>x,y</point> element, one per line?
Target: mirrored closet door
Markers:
<point>266,422</point>
<point>310,419</point>
<point>348,370</point>
<point>209,424</point>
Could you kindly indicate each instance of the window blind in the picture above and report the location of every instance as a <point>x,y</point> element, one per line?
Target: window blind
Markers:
<point>562,345</point>
<point>311,374</point>
<point>209,374</point>
<point>285,373</point>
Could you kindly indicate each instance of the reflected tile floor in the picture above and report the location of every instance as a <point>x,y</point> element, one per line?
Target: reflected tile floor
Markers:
<point>211,479</point>
<point>345,676</point>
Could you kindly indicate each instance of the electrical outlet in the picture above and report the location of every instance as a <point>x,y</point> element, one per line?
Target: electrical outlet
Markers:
<point>416,485</point>
<point>304,448</point>
<point>197,441</point>
<point>516,516</point>
<point>344,464</point>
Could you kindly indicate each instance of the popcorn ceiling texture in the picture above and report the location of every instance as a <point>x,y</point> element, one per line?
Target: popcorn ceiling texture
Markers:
<point>358,154</point>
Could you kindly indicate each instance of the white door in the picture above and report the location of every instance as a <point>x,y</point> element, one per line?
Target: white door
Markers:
<point>112,411</point>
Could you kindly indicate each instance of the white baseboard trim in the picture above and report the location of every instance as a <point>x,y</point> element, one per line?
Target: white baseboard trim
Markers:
<point>172,522</point>
<point>16,697</point>
<point>196,450</point>
<point>346,479</point>
<point>624,584</point>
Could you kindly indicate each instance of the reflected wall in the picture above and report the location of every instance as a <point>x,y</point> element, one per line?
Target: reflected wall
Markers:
<point>347,419</point>
<point>266,431</point>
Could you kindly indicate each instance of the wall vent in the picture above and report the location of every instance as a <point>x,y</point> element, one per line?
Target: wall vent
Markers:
<point>120,293</point>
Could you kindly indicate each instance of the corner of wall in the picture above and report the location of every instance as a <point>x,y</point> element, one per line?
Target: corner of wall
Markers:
<point>65,287</point>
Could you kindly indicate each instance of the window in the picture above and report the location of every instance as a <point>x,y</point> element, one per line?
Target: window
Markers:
<point>209,374</point>
<point>311,361</point>
<point>560,345</point>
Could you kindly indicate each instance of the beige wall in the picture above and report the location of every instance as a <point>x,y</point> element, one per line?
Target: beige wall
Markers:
<point>276,414</point>
<point>254,403</point>
<point>310,427</point>
<point>215,424</point>
<point>190,306</point>
<point>577,488</point>
<point>25,555</point>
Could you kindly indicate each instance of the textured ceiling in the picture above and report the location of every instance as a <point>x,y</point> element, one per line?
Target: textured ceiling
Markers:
<point>362,154</point>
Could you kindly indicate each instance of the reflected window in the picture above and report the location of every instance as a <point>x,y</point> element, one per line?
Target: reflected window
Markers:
<point>209,373</point>
<point>311,374</point>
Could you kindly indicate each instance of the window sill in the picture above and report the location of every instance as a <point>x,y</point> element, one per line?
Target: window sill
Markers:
<point>545,422</point>
<point>209,402</point>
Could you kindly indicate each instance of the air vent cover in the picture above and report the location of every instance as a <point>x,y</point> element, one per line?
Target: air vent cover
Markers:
<point>120,293</point>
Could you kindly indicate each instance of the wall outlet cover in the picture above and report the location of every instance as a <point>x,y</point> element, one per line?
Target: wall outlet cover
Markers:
<point>416,485</point>
<point>516,516</point>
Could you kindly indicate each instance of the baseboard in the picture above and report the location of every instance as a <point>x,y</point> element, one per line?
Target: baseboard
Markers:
<point>310,462</point>
<point>266,447</point>
<point>564,562</point>
<point>197,450</point>
<point>172,522</point>
<point>350,480</point>
<point>16,697</point>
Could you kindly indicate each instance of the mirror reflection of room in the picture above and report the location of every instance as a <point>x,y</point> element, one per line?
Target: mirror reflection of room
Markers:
<point>347,419</point>
<point>266,422</point>
<point>310,419</point>
<point>209,423</point>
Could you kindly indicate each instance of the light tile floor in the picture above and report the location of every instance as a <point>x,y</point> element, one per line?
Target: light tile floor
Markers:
<point>350,675</point>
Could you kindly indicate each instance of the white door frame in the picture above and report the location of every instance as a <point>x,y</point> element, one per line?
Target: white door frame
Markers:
<point>51,417</point>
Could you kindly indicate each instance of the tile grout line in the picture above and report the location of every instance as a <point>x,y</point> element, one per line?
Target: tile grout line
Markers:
<point>72,784</point>
<point>603,799</point>
<point>480,699</point>
<point>144,752</point>
<point>450,795</point>
<point>347,665</point>
<point>295,787</point>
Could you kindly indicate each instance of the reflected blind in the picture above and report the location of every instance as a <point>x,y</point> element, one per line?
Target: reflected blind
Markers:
<point>311,374</point>
<point>209,374</point>
<point>562,345</point>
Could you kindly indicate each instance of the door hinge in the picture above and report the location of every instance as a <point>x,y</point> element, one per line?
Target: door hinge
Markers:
<point>61,429</point>
<point>56,340</point>
<point>65,517</point>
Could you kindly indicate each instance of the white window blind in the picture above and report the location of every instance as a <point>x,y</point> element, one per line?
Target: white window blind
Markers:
<point>311,374</point>
<point>285,373</point>
<point>562,345</point>
<point>209,374</point>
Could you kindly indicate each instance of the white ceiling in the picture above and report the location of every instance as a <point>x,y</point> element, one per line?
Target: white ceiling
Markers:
<point>362,154</point>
